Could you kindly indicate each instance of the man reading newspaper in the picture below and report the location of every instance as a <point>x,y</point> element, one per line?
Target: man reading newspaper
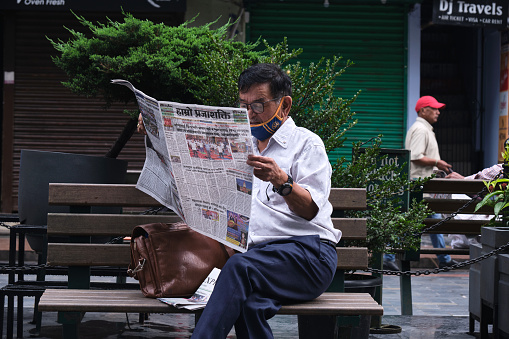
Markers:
<point>291,254</point>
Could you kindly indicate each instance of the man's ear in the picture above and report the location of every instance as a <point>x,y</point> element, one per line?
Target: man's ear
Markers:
<point>286,105</point>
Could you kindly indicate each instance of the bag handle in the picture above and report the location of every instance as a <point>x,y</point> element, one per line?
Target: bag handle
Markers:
<point>139,267</point>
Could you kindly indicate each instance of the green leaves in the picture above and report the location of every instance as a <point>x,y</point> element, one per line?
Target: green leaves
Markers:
<point>389,227</point>
<point>498,198</point>
<point>164,62</point>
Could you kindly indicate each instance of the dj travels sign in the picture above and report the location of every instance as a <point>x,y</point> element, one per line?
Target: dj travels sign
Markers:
<point>483,13</point>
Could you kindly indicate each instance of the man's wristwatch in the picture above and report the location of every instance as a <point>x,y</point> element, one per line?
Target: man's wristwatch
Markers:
<point>285,188</point>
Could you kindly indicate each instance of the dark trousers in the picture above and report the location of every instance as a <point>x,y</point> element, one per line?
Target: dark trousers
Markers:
<point>253,285</point>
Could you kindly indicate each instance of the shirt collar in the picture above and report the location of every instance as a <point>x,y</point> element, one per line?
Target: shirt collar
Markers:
<point>283,134</point>
<point>425,122</point>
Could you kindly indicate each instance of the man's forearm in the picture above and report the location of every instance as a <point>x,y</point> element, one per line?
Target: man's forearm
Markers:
<point>301,203</point>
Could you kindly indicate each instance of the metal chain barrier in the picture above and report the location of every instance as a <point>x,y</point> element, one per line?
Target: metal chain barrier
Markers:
<point>451,216</point>
<point>438,270</point>
<point>432,227</point>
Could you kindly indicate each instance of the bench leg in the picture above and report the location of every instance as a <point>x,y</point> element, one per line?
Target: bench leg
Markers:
<point>10,316</point>
<point>37,315</point>
<point>471,324</point>
<point>312,327</point>
<point>19,323</point>
<point>2,295</point>
<point>486,319</point>
<point>70,322</point>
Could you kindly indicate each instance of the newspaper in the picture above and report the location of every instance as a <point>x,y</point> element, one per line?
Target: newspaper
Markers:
<point>196,165</point>
<point>200,297</point>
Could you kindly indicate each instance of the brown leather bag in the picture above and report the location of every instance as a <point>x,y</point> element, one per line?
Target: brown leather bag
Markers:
<point>172,260</point>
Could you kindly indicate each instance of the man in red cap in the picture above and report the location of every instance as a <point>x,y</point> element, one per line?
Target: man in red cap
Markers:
<point>421,141</point>
<point>425,156</point>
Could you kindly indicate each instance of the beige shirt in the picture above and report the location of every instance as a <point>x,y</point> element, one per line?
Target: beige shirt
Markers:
<point>421,142</point>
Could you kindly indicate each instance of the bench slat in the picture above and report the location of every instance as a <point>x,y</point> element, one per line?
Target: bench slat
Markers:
<point>134,302</point>
<point>101,224</point>
<point>457,226</point>
<point>452,206</point>
<point>352,258</point>
<point>351,228</point>
<point>124,195</point>
<point>75,254</point>
<point>122,224</point>
<point>129,196</point>
<point>453,186</point>
<point>348,198</point>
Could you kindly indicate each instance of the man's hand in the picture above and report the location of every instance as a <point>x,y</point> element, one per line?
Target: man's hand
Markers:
<point>440,164</point>
<point>140,128</point>
<point>266,169</point>
<point>444,166</point>
<point>299,201</point>
<point>454,175</point>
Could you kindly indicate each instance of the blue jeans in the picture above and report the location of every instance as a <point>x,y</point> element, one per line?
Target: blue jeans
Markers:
<point>253,285</point>
<point>438,242</point>
<point>389,257</point>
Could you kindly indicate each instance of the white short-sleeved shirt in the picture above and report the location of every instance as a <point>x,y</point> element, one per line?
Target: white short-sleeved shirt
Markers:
<point>301,154</point>
<point>489,173</point>
<point>421,142</point>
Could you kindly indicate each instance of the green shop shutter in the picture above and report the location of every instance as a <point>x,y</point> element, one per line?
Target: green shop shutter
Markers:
<point>370,34</point>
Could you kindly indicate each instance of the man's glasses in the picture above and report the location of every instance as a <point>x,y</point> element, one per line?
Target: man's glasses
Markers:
<point>256,107</point>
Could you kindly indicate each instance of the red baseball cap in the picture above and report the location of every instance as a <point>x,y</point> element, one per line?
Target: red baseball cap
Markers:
<point>428,101</point>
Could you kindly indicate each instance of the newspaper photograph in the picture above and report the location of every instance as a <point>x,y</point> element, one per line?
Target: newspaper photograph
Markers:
<point>196,165</point>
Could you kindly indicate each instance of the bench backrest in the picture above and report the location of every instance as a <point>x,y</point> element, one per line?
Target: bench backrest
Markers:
<point>450,205</point>
<point>82,196</point>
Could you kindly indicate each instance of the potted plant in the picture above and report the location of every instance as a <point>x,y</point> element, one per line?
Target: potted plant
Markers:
<point>498,195</point>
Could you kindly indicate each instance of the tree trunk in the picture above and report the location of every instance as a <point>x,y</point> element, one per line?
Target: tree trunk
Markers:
<point>123,138</point>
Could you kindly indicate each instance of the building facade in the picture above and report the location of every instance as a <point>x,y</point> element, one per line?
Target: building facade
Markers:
<point>398,55</point>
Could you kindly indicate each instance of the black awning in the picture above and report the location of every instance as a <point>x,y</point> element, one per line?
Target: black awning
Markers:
<point>132,6</point>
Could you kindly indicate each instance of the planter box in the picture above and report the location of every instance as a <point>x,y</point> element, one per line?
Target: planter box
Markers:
<point>491,238</point>
<point>474,284</point>
<point>503,294</point>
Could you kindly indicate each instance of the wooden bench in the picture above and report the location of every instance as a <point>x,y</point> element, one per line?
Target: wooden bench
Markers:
<point>454,226</point>
<point>469,227</point>
<point>80,256</point>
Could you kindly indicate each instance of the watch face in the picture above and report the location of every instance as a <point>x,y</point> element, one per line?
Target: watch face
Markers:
<point>286,189</point>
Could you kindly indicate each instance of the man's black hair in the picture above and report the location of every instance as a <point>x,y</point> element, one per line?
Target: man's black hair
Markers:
<point>279,82</point>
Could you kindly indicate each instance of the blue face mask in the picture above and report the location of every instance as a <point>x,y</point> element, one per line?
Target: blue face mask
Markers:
<point>266,129</point>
